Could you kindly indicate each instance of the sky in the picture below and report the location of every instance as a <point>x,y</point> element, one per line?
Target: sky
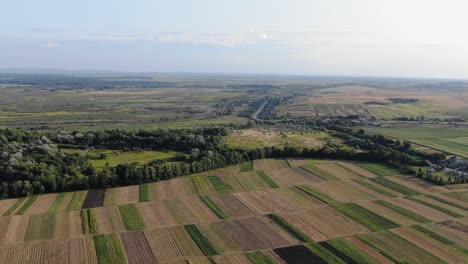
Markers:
<point>395,38</point>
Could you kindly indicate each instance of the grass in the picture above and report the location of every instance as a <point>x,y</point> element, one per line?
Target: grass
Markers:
<point>433,234</point>
<point>54,207</point>
<point>395,186</point>
<point>380,169</point>
<point>77,200</point>
<point>365,217</point>
<point>203,243</point>
<point>114,158</point>
<point>297,233</point>
<point>419,131</point>
<point>317,194</point>
<point>15,206</point>
<point>90,224</point>
<point>219,185</point>
<point>258,257</point>
<point>351,253</point>
<point>375,188</point>
<point>442,209</point>
<point>131,217</point>
<point>199,184</point>
<point>26,205</point>
<point>442,145</point>
<point>324,254</point>
<point>272,184</point>
<point>144,192</point>
<point>403,211</point>
<point>320,172</point>
<point>109,249</point>
<point>213,206</point>
<point>246,166</point>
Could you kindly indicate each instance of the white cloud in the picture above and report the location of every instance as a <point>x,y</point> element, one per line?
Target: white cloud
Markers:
<point>52,45</point>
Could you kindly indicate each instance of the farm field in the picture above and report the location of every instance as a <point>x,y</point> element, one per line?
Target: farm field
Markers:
<point>266,212</point>
<point>452,140</point>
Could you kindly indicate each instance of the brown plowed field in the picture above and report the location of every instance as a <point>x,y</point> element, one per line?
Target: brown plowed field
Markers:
<point>287,177</point>
<point>263,232</point>
<point>6,204</point>
<point>310,230</point>
<point>126,195</point>
<point>63,207</point>
<point>258,202</point>
<point>418,184</point>
<point>387,213</point>
<point>163,245</point>
<point>232,259</point>
<point>231,205</point>
<point>220,239</point>
<point>17,229</point>
<point>202,213</point>
<point>338,171</point>
<point>137,248</point>
<point>109,220</point>
<point>110,197</point>
<point>425,244</point>
<point>369,250</point>
<point>185,242</point>
<point>330,223</point>
<point>342,191</point>
<point>61,229</point>
<point>307,174</point>
<point>243,237</point>
<point>358,169</point>
<point>154,214</point>
<point>42,204</point>
<point>179,212</point>
<point>429,213</point>
<point>75,224</point>
<point>270,164</point>
<point>164,190</point>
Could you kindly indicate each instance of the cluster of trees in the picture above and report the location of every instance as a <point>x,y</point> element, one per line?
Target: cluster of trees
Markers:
<point>162,139</point>
<point>403,100</point>
<point>395,153</point>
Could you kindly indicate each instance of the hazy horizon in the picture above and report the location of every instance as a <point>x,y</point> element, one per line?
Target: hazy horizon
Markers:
<point>356,38</point>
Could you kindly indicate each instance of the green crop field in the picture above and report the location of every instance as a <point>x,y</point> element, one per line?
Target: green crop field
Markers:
<point>77,200</point>
<point>395,186</point>
<point>25,206</point>
<point>203,243</point>
<point>219,185</point>
<point>114,158</point>
<point>131,217</point>
<point>297,233</point>
<point>317,194</point>
<point>380,169</point>
<point>213,206</point>
<point>144,192</point>
<point>258,257</point>
<point>350,252</point>
<point>109,249</point>
<point>272,184</point>
<point>365,217</point>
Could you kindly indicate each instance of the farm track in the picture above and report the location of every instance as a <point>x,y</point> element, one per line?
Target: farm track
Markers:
<point>47,236</point>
